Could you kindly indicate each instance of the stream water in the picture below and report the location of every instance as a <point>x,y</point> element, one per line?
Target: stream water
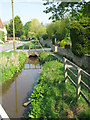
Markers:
<point>17,91</point>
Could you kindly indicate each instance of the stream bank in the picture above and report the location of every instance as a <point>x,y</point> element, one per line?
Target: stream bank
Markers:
<point>17,91</point>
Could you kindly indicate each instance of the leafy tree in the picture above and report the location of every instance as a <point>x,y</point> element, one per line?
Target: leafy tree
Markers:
<point>58,29</point>
<point>10,29</point>
<point>35,29</point>
<point>19,30</point>
<point>60,8</point>
<point>51,29</point>
<point>41,31</point>
<point>34,26</point>
<point>26,28</point>
<point>31,35</point>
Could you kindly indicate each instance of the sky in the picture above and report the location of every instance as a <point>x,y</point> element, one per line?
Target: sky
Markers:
<point>25,9</point>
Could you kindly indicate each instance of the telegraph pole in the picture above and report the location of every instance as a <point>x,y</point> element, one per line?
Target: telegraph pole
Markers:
<point>13,27</point>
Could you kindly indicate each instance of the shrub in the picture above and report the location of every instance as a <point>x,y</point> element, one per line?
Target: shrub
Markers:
<point>79,32</point>
<point>23,37</point>
<point>62,43</point>
<point>47,46</point>
<point>46,56</point>
<point>2,36</point>
<point>45,36</point>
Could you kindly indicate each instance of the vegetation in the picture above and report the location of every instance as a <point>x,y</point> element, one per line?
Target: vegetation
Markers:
<point>26,46</point>
<point>75,9</point>
<point>35,29</point>
<point>11,62</point>
<point>19,29</point>
<point>26,28</point>
<point>79,32</point>
<point>52,97</point>
<point>2,36</point>
<point>58,29</point>
<point>65,42</point>
<point>45,36</point>
<point>46,56</point>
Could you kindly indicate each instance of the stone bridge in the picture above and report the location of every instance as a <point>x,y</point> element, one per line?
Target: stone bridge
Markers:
<point>33,52</point>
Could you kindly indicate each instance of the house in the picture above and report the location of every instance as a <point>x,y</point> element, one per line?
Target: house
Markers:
<point>2,28</point>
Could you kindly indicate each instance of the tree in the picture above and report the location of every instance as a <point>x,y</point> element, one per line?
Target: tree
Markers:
<point>59,9</point>
<point>79,32</point>
<point>41,31</point>
<point>58,29</point>
<point>31,35</point>
<point>34,27</point>
<point>19,29</point>
<point>51,30</point>
<point>26,28</point>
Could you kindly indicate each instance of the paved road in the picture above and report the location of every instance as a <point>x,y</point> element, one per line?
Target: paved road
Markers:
<point>9,47</point>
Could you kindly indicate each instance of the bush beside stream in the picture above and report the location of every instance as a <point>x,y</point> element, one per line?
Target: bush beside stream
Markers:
<point>11,62</point>
<point>52,98</point>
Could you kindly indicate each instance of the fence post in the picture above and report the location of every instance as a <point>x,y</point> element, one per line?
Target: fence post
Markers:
<point>78,84</point>
<point>65,69</point>
<point>56,48</point>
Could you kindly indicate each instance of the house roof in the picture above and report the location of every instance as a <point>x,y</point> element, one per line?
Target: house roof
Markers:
<point>1,25</point>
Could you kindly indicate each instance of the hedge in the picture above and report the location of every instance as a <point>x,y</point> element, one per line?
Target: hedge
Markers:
<point>79,33</point>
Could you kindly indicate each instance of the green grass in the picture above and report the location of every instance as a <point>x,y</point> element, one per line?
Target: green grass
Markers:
<point>26,46</point>
<point>11,62</point>
<point>52,97</point>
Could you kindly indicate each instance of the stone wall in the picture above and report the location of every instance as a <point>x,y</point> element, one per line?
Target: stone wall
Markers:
<point>80,61</point>
<point>47,41</point>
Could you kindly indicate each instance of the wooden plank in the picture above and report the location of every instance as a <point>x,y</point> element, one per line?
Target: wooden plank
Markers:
<point>85,73</point>
<point>86,99</point>
<point>72,81</point>
<point>88,88</point>
<point>72,73</point>
<point>78,67</point>
<point>71,63</point>
<point>78,84</point>
<point>65,69</point>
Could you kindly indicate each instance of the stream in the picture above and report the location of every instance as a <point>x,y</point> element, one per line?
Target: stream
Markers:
<point>17,90</point>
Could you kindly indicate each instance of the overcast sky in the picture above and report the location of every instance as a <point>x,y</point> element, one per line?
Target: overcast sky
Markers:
<point>26,9</point>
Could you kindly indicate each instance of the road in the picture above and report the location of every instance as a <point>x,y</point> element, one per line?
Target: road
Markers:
<point>9,47</point>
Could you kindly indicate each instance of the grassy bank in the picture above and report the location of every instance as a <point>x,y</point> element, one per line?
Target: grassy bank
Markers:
<point>52,97</point>
<point>26,46</point>
<point>11,62</point>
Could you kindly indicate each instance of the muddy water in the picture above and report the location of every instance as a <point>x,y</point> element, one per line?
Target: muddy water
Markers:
<point>17,91</point>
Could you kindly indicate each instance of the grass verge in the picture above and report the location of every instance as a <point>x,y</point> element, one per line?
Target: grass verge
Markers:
<point>11,62</point>
<point>52,97</point>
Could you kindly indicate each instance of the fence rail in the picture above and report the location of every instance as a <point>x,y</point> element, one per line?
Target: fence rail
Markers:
<point>78,83</point>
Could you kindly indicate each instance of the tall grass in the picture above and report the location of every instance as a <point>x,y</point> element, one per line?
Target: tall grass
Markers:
<point>11,62</point>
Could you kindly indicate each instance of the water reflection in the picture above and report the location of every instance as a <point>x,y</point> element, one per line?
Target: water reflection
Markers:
<point>17,91</point>
<point>16,94</point>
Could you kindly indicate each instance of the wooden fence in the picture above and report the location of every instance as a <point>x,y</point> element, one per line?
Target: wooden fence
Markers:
<point>79,81</point>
